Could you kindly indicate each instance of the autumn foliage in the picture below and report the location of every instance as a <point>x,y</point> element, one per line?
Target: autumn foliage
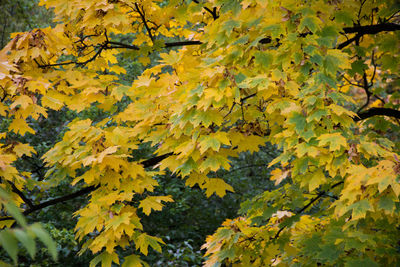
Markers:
<point>316,79</point>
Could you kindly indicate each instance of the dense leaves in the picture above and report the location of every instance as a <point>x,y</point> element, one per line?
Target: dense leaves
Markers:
<point>318,80</point>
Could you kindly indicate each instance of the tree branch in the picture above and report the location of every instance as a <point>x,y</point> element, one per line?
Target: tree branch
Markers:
<point>377,111</point>
<point>349,41</point>
<point>142,16</point>
<point>312,201</point>
<point>372,29</point>
<point>182,43</point>
<point>26,200</point>
<point>32,208</point>
<point>212,12</point>
<point>122,45</point>
<point>106,45</point>
<point>367,29</point>
<point>45,204</point>
<point>360,30</point>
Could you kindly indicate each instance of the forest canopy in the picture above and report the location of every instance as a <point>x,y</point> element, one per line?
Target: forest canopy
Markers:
<point>316,82</point>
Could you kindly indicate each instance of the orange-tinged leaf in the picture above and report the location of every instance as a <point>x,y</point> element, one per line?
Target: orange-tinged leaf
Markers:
<point>278,175</point>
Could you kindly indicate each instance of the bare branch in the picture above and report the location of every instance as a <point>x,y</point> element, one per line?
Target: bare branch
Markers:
<point>32,208</point>
<point>312,201</point>
<point>372,29</point>
<point>378,112</point>
<point>142,16</point>
<point>212,12</point>
<point>26,200</point>
<point>367,29</point>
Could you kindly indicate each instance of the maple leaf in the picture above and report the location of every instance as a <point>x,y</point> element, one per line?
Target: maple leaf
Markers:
<point>143,241</point>
<point>19,126</point>
<point>132,261</point>
<point>153,203</point>
<point>215,79</point>
<point>23,149</point>
<point>217,186</point>
<point>335,141</point>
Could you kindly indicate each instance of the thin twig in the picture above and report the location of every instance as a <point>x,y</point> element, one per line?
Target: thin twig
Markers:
<point>212,12</point>
<point>142,16</point>
<point>26,200</point>
<point>312,201</point>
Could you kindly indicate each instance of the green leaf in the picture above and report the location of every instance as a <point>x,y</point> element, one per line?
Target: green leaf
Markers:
<point>16,213</point>
<point>329,253</point>
<point>360,209</point>
<point>229,25</point>
<point>264,59</point>
<point>299,121</point>
<point>5,264</point>
<point>46,239</point>
<point>187,167</point>
<point>9,243</point>
<point>310,23</point>
<point>105,258</point>
<point>331,64</point>
<point>207,142</point>
<point>311,245</point>
<point>287,222</point>
<point>344,17</point>
<point>13,209</point>
<point>27,241</point>
<point>361,263</point>
<point>358,66</point>
<point>241,40</point>
<point>226,253</point>
<point>386,203</point>
<point>335,141</point>
<point>224,233</point>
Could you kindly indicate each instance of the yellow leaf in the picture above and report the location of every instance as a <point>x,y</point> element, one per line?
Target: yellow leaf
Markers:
<point>171,58</point>
<point>316,179</point>
<point>143,81</point>
<point>278,175</point>
<point>144,60</point>
<point>20,126</point>
<point>251,143</point>
<point>144,241</point>
<point>132,261</point>
<point>217,186</point>
<point>118,220</point>
<point>153,203</point>
<point>23,149</point>
<point>109,150</point>
<point>22,100</point>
